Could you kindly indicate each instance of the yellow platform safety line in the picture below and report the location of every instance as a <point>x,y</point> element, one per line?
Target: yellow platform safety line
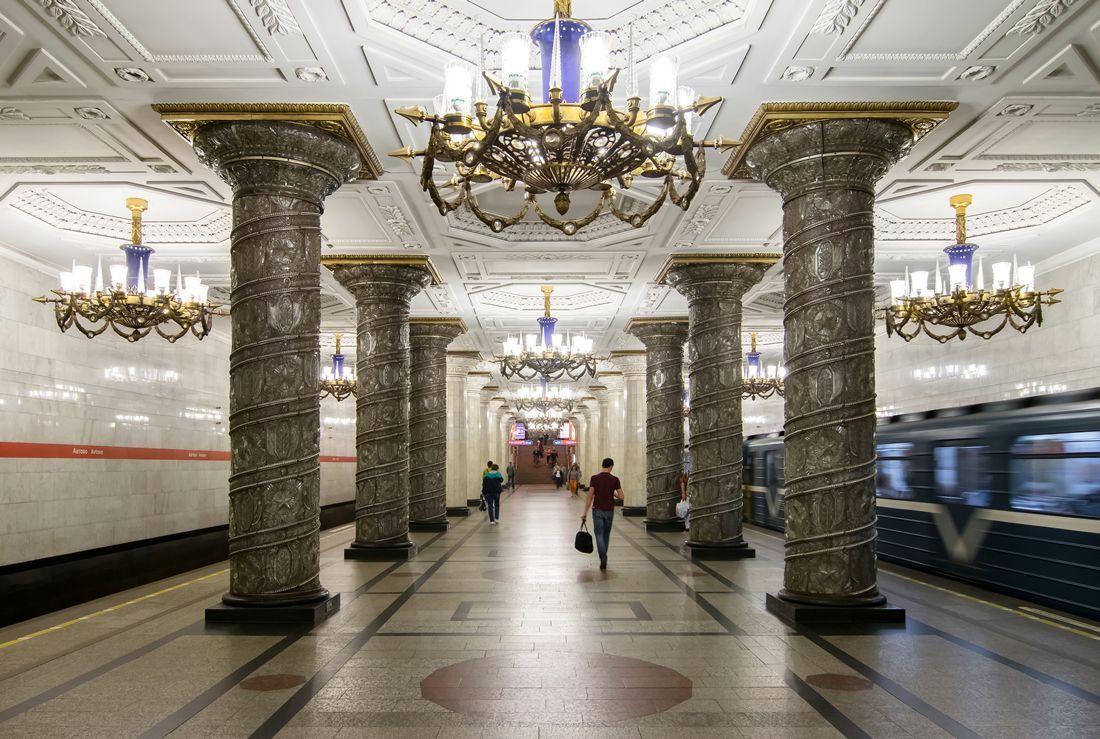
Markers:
<point>139,599</point>
<point>1015,611</point>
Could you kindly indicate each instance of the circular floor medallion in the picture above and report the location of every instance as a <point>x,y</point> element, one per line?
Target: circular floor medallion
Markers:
<point>833,681</point>
<point>598,687</point>
<point>280,681</point>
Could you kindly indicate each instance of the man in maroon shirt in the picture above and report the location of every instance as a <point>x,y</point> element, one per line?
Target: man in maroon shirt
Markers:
<point>603,489</point>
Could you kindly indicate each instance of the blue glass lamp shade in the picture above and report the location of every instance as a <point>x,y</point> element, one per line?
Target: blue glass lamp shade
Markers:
<point>338,366</point>
<point>570,32</point>
<point>962,254</point>
<point>753,359</point>
<point>137,263</point>
<point>546,323</point>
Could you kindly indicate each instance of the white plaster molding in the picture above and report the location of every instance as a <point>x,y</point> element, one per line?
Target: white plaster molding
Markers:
<point>835,16</point>
<point>277,17</point>
<point>1039,17</point>
<point>70,17</point>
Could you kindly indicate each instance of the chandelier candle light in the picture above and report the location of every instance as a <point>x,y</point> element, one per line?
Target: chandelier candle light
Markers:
<point>962,304</point>
<point>128,303</point>
<point>546,354</point>
<point>336,381</point>
<point>756,382</point>
<point>574,140</point>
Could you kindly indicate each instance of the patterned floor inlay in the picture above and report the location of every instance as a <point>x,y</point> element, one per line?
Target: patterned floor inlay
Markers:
<point>280,681</point>
<point>832,681</point>
<point>596,686</point>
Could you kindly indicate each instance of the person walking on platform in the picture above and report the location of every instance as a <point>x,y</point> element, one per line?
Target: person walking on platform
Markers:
<point>574,477</point>
<point>491,485</point>
<point>510,470</point>
<point>603,490</point>
<point>558,475</point>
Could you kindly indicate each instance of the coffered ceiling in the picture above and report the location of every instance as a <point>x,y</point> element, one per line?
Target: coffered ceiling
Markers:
<point>78,135</point>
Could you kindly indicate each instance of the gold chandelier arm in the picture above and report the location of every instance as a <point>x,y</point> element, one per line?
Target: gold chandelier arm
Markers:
<point>639,218</point>
<point>493,221</point>
<point>696,169</point>
<point>570,227</point>
<point>432,189</point>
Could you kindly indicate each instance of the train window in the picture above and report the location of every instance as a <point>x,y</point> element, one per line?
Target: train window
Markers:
<point>962,475</point>
<point>1057,473</point>
<point>894,471</point>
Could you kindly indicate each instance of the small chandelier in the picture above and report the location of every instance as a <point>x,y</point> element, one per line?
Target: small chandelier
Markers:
<point>540,415</point>
<point>574,140</point>
<point>756,383</point>
<point>555,357</point>
<point>963,305</point>
<point>128,306</point>
<point>546,427</point>
<point>335,380</point>
<point>546,398</point>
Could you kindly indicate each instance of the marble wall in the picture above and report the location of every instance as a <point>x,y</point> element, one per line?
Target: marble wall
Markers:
<point>104,442</point>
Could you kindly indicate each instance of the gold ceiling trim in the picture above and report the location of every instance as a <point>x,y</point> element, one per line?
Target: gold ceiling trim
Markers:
<point>335,260</point>
<point>439,321</point>
<point>920,115</point>
<point>464,354</point>
<point>766,258</point>
<point>625,353</point>
<point>336,118</point>
<point>649,321</point>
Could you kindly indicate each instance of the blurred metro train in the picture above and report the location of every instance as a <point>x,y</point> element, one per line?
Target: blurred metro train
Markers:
<point>1005,495</point>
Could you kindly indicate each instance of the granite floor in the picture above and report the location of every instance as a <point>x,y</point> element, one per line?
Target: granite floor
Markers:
<point>506,631</point>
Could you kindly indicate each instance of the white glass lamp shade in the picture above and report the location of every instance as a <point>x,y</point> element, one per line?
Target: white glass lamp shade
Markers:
<point>118,276</point>
<point>161,279</point>
<point>67,283</point>
<point>782,372</point>
<point>515,59</point>
<point>458,86</point>
<point>685,96</point>
<point>1002,275</point>
<point>326,373</point>
<point>918,281</point>
<point>595,58</point>
<point>898,288</point>
<point>82,278</point>
<point>663,72</point>
<point>439,105</point>
<point>956,276</point>
<point>1025,277</point>
<point>192,288</point>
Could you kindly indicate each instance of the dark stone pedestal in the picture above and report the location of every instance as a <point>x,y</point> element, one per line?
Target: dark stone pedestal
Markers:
<point>634,511</point>
<point>704,552</point>
<point>427,525</point>
<point>618,502</point>
<point>807,614</point>
<point>460,511</point>
<point>309,614</point>
<point>381,554</point>
<point>475,502</point>
<point>674,524</point>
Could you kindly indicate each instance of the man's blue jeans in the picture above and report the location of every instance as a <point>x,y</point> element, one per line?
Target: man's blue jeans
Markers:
<point>492,503</point>
<point>601,525</point>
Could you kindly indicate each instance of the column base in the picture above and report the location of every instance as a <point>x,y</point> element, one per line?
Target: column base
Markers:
<point>475,502</point>
<point>459,511</point>
<point>618,502</point>
<point>656,526</point>
<point>810,614</point>
<point>393,553</point>
<point>298,614</point>
<point>699,551</point>
<point>634,511</point>
<point>428,525</point>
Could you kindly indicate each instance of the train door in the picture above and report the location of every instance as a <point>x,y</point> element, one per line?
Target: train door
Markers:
<point>773,488</point>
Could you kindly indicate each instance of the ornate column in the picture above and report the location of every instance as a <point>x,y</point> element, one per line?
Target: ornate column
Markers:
<point>714,285</point>
<point>383,286</point>
<point>476,445</point>
<point>497,409</point>
<point>428,340</point>
<point>631,469</point>
<point>458,365</point>
<point>580,422</point>
<point>280,174</point>
<point>825,168</point>
<point>664,343</point>
<point>615,424</point>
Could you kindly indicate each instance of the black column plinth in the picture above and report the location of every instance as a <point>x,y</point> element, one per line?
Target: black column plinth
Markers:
<point>460,511</point>
<point>703,552</point>
<point>634,511</point>
<point>475,502</point>
<point>806,613</point>
<point>654,526</point>
<point>396,553</point>
<point>428,525</point>
<point>309,614</point>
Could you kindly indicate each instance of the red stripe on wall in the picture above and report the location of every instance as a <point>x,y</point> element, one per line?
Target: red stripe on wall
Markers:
<point>31,450</point>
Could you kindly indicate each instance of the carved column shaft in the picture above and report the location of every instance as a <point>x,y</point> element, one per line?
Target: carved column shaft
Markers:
<point>714,293</point>
<point>382,296</point>
<point>476,444</point>
<point>457,442</point>
<point>631,468</point>
<point>664,343</point>
<point>428,421</point>
<point>826,172</point>
<point>280,174</point>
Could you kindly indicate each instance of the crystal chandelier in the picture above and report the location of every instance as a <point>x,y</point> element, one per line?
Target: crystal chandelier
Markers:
<point>546,427</point>
<point>963,305</point>
<point>555,357</point>
<point>335,380</point>
<point>758,383</point>
<point>574,140</point>
<point>128,304</point>
<point>545,398</point>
